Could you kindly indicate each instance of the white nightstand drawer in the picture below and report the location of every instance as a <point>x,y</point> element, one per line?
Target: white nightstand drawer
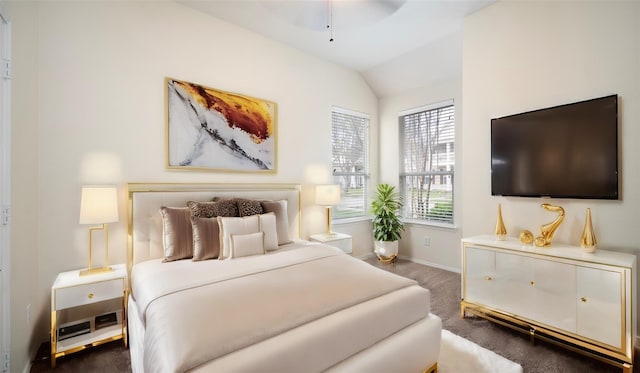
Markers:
<point>79,295</point>
<point>340,240</point>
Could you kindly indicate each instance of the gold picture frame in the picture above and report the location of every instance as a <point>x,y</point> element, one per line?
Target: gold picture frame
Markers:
<point>213,130</point>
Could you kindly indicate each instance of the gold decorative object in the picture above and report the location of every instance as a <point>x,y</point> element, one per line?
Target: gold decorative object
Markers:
<point>588,239</point>
<point>526,237</point>
<point>501,231</point>
<point>549,229</point>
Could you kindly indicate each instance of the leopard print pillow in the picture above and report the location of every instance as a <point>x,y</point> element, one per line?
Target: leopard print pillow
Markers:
<point>247,207</point>
<point>221,207</point>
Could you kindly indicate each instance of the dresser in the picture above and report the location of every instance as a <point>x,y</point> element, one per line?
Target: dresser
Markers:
<point>87,310</point>
<point>585,302</point>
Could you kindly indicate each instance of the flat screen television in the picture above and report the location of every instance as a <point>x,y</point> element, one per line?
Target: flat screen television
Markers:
<point>567,151</point>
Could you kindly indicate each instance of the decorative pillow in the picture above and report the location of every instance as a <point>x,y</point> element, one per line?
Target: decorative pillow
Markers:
<point>268,227</point>
<point>235,225</point>
<point>279,208</point>
<point>221,207</point>
<point>177,238</point>
<point>206,238</point>
<point>247,244</point>
<point>247,207</point>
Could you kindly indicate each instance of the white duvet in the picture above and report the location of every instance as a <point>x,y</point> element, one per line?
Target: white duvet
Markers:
<point>214,315</point>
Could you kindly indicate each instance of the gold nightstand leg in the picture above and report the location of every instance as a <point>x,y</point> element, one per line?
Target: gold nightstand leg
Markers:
<point>53,339</point>
<point>125,301</point>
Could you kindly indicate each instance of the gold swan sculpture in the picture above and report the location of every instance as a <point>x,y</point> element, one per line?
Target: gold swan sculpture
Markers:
<point>547,230</point>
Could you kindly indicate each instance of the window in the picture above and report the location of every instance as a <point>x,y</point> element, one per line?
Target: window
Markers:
<point>427,138</point>
<point>350,160</point>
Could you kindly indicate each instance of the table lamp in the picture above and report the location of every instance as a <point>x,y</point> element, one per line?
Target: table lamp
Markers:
<point>98,205</point>
<point>328,196</point>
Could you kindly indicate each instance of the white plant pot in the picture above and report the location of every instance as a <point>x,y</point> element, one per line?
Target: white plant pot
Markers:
<point>386,249</point>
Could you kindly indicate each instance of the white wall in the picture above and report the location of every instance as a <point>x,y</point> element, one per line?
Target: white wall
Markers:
<point>98,117</point>
<point>520,56</point>
<point>25,263</point>
<point>444,248</point>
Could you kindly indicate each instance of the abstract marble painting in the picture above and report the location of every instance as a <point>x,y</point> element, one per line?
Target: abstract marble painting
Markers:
<point>217,130</point>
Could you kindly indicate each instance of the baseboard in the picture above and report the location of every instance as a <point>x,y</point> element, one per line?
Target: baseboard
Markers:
<point>423,262</point>
<point>430,264</point>
<point>367,256</point>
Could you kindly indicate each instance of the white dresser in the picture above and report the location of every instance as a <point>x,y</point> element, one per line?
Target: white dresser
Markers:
<point>559,293</point>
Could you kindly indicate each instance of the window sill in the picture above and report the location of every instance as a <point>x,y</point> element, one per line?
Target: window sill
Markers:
<point>350,220</point>
<point>431,224</point>
<point>446,226</point>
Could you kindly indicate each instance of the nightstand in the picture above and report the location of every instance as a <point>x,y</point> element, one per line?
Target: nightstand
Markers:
<point>340,240</point>
<point>87,311</point>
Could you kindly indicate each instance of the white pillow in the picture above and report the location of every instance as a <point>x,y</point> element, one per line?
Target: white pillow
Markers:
<point>233,225</point>
<point>269,228</point>
<point>247,244</point>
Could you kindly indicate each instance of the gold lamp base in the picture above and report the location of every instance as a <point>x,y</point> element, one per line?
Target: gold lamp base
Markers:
<point>95,271</point>
<point>105,268</point>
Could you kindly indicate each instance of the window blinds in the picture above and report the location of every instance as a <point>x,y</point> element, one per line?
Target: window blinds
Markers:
<point>427,144</point>
<point>350,163</point>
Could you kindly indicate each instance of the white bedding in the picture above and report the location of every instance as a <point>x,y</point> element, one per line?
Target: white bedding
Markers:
<point>337,315</point>
<point>308,300</point>
<point>153,278</point>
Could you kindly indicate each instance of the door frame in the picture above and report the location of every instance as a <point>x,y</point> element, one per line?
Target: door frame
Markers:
<point>5,191</point>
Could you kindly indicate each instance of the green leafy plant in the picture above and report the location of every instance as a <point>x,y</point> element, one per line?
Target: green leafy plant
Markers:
<point>385,207</point>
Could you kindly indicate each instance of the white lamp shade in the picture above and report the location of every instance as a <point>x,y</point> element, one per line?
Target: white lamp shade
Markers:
<point>328,195</point>
<point>99,205</point>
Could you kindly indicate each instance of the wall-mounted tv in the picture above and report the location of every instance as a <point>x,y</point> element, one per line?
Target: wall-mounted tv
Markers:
<point>567,151</point>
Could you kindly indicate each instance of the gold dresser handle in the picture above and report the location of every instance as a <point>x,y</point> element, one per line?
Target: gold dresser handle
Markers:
<point>533,283</point>
<point>91,295</point>
<point>583,299</point>
<point>489,278</point>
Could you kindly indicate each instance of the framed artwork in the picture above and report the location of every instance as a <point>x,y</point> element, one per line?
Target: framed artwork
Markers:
<point>210,129</point>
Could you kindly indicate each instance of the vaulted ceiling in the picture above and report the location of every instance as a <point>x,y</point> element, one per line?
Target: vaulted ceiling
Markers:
<point>397,45</point>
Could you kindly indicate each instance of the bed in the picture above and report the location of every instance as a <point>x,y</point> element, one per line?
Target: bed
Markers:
<point>274,303</point>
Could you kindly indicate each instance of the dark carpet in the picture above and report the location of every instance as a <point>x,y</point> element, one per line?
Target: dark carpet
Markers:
<point>541,357</point>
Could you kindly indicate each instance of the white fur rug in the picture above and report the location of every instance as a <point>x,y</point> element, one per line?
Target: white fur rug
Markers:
<point>459,355</point>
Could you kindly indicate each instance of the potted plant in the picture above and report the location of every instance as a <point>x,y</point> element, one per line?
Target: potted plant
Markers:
<point>387,226</point>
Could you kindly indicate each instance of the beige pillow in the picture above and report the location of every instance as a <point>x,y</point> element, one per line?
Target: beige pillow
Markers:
<point>206,238</point>
<point>177,238</point>
<point>235,225</point>
<point>247,244</point>
<point>279,208</point>
<point>268,227</point>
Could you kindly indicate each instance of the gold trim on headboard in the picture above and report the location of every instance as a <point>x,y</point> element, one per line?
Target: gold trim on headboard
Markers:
<point>133,188</point>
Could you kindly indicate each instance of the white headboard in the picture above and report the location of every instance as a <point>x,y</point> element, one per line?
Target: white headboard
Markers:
<point>144,223</point>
